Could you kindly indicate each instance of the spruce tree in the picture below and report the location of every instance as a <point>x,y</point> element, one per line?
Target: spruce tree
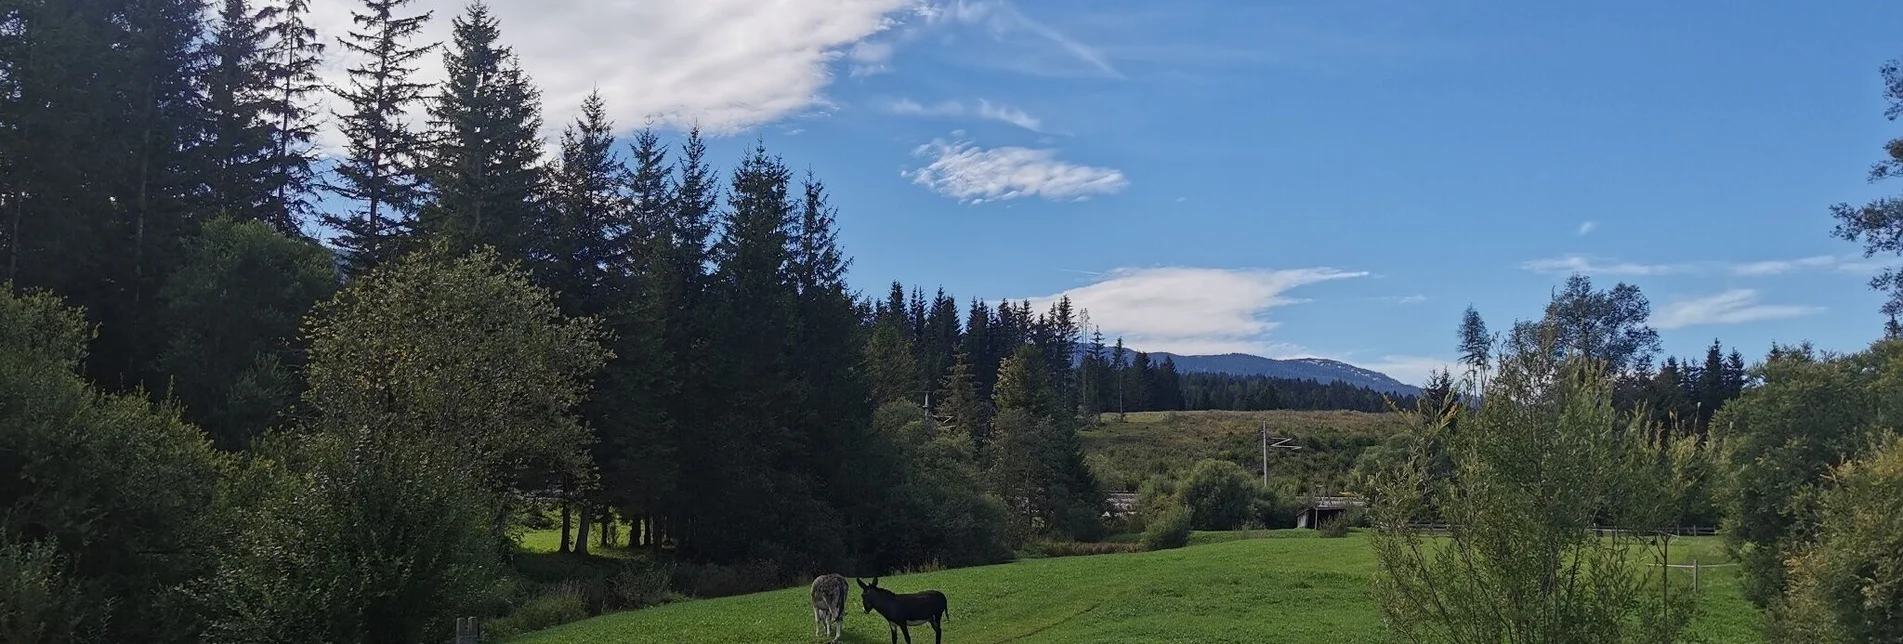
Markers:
<point>483,151</point>
<point>977,346</point>
<point>238,148</point>
<point>583,225</point>
<point>1711,385</point>
<point>379,170</point>
<point>291,59</point>
<point>1475,344</point>
<point>1169,387</point>
<point>960,411</point>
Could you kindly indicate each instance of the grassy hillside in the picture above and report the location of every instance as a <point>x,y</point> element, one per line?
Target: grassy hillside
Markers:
<point>1124,453</point>
<point>1285,586</point>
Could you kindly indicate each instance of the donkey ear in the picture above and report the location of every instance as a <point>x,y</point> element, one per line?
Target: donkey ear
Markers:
<point>861,582</point>
<point>875,582</point>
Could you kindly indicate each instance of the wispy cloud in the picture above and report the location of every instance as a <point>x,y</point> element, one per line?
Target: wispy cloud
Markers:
<point>1576,263</point>
<point>1002,20</point>
<point>961,170</point>
<point>1736,306</point>
<point>1601,266</point>
<point>954,109</point>
<point>869,58</point>
<point>1192,310</point>
<point>1403,299</point>
<point>1587,227</point>
<point>726,65</point>
<point>1780,267</point>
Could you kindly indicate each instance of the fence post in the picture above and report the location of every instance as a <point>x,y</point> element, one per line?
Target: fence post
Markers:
<point>468,631</point>
<point>1694,575</point>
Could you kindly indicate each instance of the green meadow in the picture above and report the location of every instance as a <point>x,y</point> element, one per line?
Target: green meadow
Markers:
<point>1262,586</point>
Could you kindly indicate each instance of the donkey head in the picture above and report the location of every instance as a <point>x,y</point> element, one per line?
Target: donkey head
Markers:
<point>866,592</point>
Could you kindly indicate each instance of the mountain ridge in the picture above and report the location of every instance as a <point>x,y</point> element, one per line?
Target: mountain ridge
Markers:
<point>1318,369</point>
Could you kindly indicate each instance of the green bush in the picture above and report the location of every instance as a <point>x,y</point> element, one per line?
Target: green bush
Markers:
<point>560,605</point>
<point>1078,548</point>
<point>640,586</point>
<point>1848,585</point>
<point>38,600</point>
<point>374,539</point>
<point>1169,530</point>
<point>124,495</point>
<point>1219,495</point>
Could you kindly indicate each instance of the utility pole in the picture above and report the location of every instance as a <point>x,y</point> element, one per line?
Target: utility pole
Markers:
<point>1280,443</point>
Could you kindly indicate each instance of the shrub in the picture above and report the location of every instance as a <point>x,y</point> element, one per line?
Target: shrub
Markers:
<point>122,497</point>
<point>1848,585</point>
<point>376,539</point>
<point>1156,496</point>
<point>706,581</point>
<point>1541,459</point>
<point>1169,530</point>
<point>560,605</point>
<point>1219,495</point>
<point>38,600</point>
<point>640,586</point>
<point>1079,548</point>
<point>1335,527</point>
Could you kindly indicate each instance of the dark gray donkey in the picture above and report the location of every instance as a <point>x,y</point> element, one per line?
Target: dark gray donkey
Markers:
<point>901,611</point>
<point>829,605</point>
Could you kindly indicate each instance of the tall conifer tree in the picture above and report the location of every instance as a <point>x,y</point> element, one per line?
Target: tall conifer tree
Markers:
<point>483,150</point>
<point>291,60</point>
<point>379,171</point>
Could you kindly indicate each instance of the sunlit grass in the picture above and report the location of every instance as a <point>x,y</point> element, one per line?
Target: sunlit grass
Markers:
<point>1263,586</point>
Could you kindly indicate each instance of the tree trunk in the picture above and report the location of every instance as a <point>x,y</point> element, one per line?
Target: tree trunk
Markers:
<point>564,544</point>
<point>581,530</point>
<point>607,528</point>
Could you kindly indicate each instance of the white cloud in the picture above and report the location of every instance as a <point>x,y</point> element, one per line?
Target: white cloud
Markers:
<point>1413,370</point>
<point>961,170</point>
<point>1576,263</point>
<point>870,57</point>
<point>724,64</point>
<point>1002,20</point>
<point>953,109</point>
<point>1404,299</point>
<point>1736,306</point>
<point>1191,310</point>
<point>1587,228</point>
<point>1779,267</point>
<point>1599,266</point>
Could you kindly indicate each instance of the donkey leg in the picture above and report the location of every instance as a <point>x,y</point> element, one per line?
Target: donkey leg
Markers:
<point>938,636</point>
<point>907,631</point>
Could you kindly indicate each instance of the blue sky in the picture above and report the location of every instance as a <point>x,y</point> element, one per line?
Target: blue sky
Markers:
<point>1334,179</point>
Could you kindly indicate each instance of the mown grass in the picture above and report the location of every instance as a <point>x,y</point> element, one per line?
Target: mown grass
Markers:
<point>1124,453</point>
<point>1285,586</point>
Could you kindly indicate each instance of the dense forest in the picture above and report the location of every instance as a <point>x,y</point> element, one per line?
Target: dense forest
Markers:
<point>221,429</point>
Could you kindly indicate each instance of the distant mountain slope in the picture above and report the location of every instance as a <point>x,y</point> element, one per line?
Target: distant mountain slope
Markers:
<point>1316,369</point>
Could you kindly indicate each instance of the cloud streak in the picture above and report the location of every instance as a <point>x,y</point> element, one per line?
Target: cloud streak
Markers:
<point>961,170</point>
<point>954,109</point>
<point>1587,228</point>
<point>725,64</point>
<point>1736,306</point>
<point>1001,20</point>
<point>1191,310</point>
<point>1576,263</point>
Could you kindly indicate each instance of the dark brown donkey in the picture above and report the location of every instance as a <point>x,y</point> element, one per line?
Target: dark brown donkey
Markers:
<point>901,611</point>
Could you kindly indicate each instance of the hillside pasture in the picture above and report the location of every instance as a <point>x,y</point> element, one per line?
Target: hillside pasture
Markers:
<point>1262,586</point>
<point>1122,453</point>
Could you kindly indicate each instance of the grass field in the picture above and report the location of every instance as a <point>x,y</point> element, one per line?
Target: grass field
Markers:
<point>1265,586</point>
<point>1123,453</point>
